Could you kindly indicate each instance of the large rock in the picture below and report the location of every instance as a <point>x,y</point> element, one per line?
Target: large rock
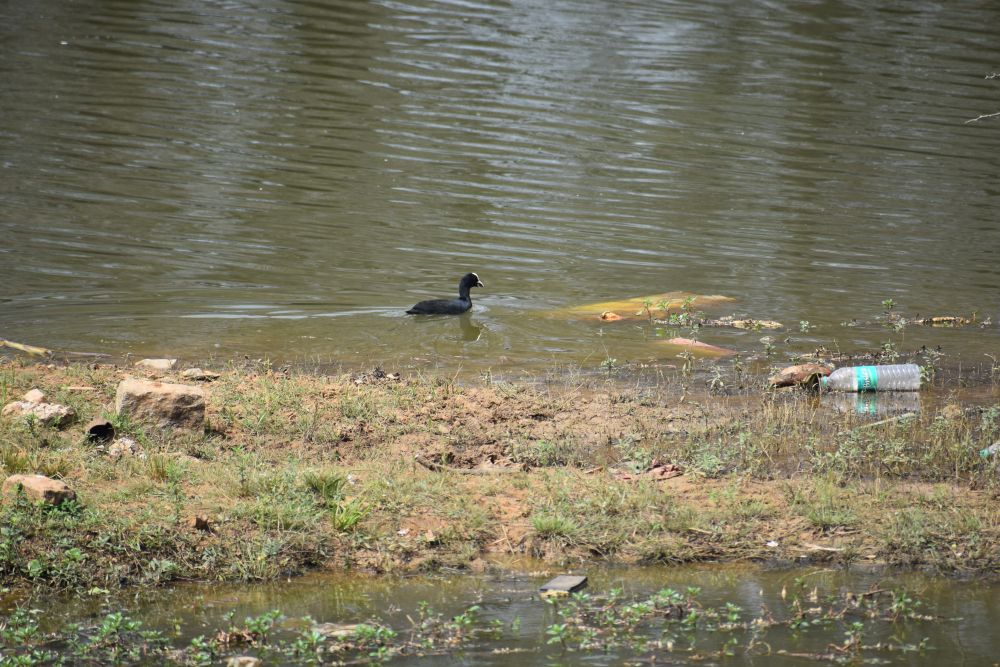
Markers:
<point>47,414</point>
<point>39,487</point>
<point>164,404</point>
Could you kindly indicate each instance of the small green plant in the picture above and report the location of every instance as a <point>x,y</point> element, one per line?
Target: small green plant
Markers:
<point>328,486</point>
<point>888,352</point>
<point>688,362</point>
<point>346,515</point>
<point>163,467</point>
<point>554,527</point>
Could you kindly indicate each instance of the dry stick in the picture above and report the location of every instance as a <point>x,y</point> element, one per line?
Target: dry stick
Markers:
<point>902,417</point>
<point>437,467</point>
<point>982,116</point>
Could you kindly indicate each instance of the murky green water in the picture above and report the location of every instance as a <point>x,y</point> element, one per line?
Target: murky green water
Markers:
<point>960,630</point>
<point>286,177</point>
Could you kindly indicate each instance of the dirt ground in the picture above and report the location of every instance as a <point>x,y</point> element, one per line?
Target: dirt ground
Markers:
<point>383,473</point>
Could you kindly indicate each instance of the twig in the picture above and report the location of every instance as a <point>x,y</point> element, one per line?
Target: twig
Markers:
<point>818,547</point>
<point>898,418</point>
<point>982,116</point>
<point>437,467</point>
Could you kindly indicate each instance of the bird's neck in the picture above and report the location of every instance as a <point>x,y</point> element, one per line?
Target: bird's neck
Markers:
<point>463,292</point>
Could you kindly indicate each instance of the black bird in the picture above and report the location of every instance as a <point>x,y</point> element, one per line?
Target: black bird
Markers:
<point>450,306</point>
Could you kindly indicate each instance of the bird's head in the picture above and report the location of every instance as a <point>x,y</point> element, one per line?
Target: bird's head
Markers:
<point>471,280</point>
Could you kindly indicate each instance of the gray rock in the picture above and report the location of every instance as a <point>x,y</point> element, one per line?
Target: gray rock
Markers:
<point>39,487</point>
<point>47,414</point>
<point>34,396</point>
<point>126,447</point>
<point>157,364</point>
<point>162,403</point>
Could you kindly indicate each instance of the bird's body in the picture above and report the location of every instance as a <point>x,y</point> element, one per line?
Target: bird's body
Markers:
<point>450,306</point>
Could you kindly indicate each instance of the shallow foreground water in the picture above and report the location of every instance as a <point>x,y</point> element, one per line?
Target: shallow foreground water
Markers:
<point>958,628</point>
<point>287,178</point>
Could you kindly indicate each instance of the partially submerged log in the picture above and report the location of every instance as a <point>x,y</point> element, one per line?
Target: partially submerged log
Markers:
<point>641,307</point>
<point>747,323</point>
<point>28,349</point>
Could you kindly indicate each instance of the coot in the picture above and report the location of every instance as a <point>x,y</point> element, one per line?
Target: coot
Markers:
<point>450,306</point>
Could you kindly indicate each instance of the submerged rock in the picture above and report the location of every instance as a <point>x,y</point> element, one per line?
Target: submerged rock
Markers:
<point>162,403</point>
<point>697,348</point>
<point>39,487</point>
<point>47,414</point>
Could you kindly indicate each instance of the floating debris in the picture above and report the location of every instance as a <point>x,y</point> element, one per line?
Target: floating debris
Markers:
<point>747,323</point>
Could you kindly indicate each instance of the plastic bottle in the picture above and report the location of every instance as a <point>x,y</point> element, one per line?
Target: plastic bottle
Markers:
<point>892,377</point>
<point>990,451</point>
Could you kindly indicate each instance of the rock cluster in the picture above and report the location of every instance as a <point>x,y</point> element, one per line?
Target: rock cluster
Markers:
<point>34,406</point>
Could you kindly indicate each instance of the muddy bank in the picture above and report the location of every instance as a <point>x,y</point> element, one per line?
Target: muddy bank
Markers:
<point>377,472</point>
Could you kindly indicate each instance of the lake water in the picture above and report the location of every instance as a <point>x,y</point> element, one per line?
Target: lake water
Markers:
<point>285,177</point>
<point>959,624</point>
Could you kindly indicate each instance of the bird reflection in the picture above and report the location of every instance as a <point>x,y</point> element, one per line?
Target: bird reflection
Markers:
<point>470,330</point>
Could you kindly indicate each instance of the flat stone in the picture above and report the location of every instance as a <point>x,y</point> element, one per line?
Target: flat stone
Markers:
<point>162,403</point>
<point>34,396</point>
<point>157,364</point>
<point>39,487</point>
<point>47,414</point>
<point>199,374</point>
<point>564,584</point>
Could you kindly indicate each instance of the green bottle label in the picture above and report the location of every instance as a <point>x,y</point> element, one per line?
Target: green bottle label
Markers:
<point>866,378</point>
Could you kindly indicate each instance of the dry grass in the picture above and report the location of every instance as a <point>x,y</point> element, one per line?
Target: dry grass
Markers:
<point>297,470</point>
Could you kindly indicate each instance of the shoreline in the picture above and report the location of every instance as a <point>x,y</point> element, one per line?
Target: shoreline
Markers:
<point>298,471</point>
